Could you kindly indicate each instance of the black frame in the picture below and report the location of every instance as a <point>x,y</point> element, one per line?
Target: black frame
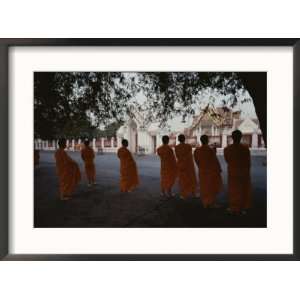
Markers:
<point>4,133</point>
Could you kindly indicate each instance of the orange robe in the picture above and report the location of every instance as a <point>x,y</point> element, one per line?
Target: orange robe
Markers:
<point>168,168</point>
<point>68,172</point>
<point>209,174</point>
<point>237,157</point>
<point>128,170</point>
<point>186,169</point>
<point>88,155</point>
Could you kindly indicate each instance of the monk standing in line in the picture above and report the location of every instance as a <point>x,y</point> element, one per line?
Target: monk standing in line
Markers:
<point>237,157</point>
<point>186,168</point>
<point>209,173</point>
<point>168,168</point>
<point>88,155</point>
<point>67,170</point>
<point>128,170</point>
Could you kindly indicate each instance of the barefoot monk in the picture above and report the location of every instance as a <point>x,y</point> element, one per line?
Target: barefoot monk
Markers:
<point>67,170</point>
<point>238,160</point>
<point>88,155</point>
<point>209,173</point>
<point>168,168</point>
<point>128,170</point>
<point>186,168</point>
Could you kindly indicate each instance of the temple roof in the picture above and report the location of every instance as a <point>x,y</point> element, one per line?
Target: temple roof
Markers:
<point>219,116</point>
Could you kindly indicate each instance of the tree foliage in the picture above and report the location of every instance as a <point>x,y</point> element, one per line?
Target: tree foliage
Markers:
<point>76,103</point>
<point>177,93</point>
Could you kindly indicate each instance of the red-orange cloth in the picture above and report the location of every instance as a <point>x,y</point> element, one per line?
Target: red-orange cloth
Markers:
<point>186,169</point>
<point>209,174</point>
<point>238,159</point>
<point>68,172</point>
<point>128,170</point>
<point>168,168</point>
<point>88,155</point>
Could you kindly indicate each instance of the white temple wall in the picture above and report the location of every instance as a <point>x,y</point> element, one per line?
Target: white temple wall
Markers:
<point>132,140</point>
<point>145,141</point>
<point>158,140</point>
<point>149,141</point>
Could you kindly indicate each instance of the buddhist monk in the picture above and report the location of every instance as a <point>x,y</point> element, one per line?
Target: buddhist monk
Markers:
<point>88,155</point>
<point>237,157</point>
<point>186,168</point>
<point>128,170</point>
<point>168,168</point>
<point>209,173</point>
<point>67,170</point>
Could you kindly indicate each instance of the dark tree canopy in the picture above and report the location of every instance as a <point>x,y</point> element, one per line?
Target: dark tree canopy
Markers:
<point>76,103</point>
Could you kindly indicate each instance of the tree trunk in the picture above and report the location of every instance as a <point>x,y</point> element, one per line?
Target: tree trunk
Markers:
<point>256,84</point>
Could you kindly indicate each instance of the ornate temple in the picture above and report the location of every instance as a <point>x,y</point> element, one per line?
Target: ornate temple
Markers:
<point>217,123</point>
<point>144,136</point>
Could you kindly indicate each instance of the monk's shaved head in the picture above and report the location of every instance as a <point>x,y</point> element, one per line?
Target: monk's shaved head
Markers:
<point>237,136</point>
<point>165,140</point>
<point>125,143</point>
<point>204,139</point>
<point>181,138</point>
<point>62,143</point>
<point>86,142</point>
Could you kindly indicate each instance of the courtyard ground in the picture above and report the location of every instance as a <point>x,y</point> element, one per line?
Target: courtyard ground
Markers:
<point>104,205</point>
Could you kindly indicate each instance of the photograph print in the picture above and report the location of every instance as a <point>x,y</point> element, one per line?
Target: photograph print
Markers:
<point>150,149</point>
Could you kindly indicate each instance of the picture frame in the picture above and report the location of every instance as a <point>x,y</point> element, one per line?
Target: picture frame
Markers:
<point>5,44</point>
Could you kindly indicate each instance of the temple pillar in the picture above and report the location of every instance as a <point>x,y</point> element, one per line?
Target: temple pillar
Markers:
<point>224,140</point>
<point>119,142</point>
<point>158,142</point>
<point>112,140</point>
<point>94,144</point>
<point>254,143</point>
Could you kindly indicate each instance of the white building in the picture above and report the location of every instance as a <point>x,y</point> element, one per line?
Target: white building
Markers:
<point>217,123</point>
<point>144,136</point>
